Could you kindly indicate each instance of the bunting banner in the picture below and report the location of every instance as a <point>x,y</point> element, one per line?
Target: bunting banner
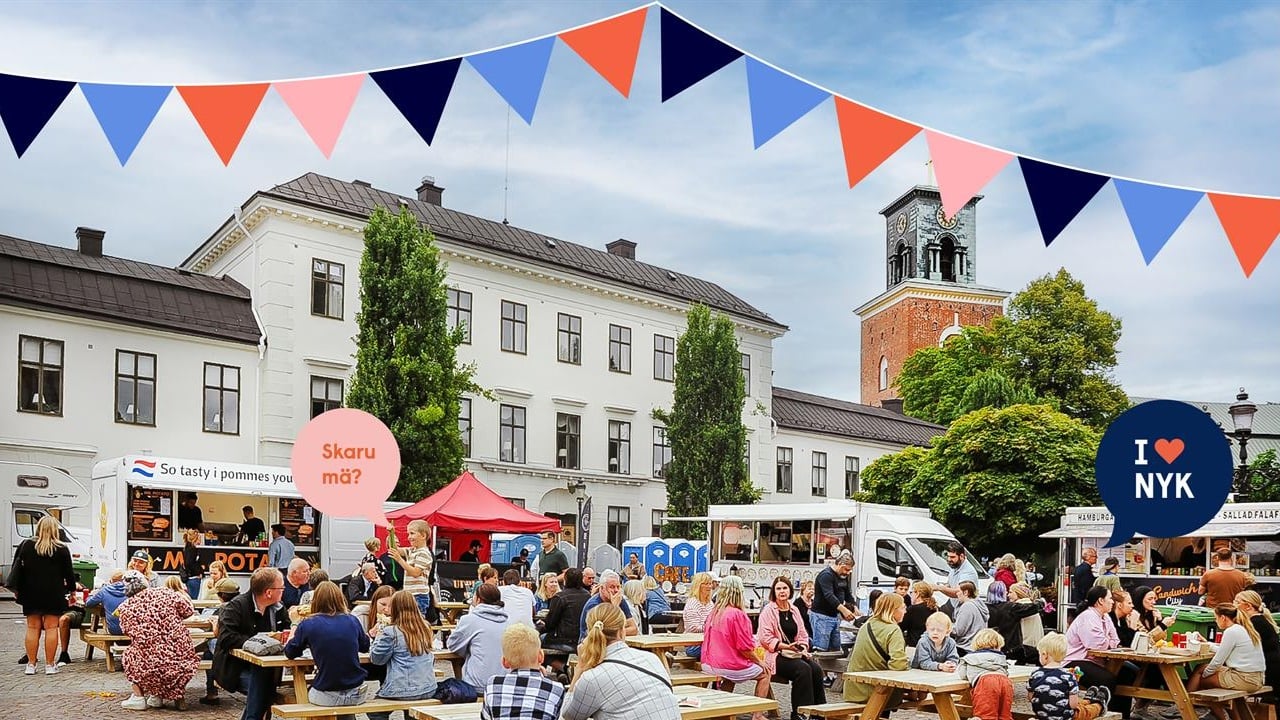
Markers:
<point>776,99</point>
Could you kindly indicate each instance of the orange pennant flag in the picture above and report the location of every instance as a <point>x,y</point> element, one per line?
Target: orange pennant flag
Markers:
<point>1251,224</point>
<point>611,47</point>
<point>224,112</point>
<point>869,137</point>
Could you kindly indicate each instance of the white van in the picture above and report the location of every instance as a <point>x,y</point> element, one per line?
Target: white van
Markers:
<point>28,492</point>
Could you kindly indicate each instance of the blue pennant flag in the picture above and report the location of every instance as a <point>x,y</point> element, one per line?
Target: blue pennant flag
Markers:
<point>1155,212</point>
<point>516,73</point>
<point>777,100</point>
<point>689,55</point>
<point>27,103</point>
<point>1058,194</point>
<point>420,92</point>
<point>125,112</point>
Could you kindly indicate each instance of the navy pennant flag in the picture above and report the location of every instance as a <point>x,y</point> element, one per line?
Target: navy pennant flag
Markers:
<point>420,92</point>
<point>27,103</point>
<point>1058,194</point>
<point>689,55</point>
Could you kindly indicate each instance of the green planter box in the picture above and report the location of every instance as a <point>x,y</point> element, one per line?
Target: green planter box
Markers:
<point>1193,618</point>
<point>85,572</point>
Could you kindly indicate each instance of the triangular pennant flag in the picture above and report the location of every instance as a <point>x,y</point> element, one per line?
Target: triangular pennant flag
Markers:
<point>516,73</point>
<point>322,105</point>
<point>1155,212</point>
<point>689,55</point>
<point>1058,194</point>
<point>420,92</point>
<point>224,112</point>
<point>777,100</point>
<point>27,103</point>
<point>869,137</point>
<point>1251,224</point>
<point>963,168</point>
<point>125,112</point>
<point>611,47</point>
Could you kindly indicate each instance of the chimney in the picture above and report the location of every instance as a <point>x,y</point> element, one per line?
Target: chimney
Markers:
<point>892,404</point>
<point>622,248</point>
<point>429,192</point>
<point>89,241</point>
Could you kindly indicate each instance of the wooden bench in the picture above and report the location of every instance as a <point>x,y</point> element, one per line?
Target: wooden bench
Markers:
<point>838,710</point>
<point>307,710</point>
<point>1222,700</point>
<point>681,676</point>
<point>104,642</point>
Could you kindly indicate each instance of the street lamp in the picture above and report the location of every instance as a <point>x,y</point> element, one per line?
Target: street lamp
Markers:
<point>578,487</point>
<point>1242,412</point>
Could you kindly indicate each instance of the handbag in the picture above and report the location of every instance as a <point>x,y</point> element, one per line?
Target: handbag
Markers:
<point>15,573</point>
<point>263,645</point>
<point>788,653</point>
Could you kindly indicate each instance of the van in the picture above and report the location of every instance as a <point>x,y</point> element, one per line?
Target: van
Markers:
<point>29,492</point>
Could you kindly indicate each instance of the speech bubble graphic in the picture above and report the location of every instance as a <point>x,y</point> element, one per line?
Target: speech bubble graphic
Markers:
<point>1163,469</point>
<point>345,463</point>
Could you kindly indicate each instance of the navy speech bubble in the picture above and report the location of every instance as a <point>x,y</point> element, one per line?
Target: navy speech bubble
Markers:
<point>1163,469</point>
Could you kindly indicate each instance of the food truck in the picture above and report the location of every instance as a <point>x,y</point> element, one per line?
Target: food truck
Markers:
<point>1173,566</point>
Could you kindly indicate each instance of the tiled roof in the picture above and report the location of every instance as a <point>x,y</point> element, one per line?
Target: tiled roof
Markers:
<point>813,413</point>
<point>65,280</point>
<point>1266,424</point>
<point>458,227</point>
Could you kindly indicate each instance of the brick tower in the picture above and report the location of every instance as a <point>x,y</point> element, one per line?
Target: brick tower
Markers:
<point>930,288</point>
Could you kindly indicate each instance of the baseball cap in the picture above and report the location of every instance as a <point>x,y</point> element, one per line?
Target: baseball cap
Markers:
<point>226,585</point>
<point>141,555</point>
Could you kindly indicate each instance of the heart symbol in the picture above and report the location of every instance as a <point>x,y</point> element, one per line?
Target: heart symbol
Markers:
<point>1169,449</point>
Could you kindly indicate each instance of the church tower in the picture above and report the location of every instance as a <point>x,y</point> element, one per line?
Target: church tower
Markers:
<point>931,289</point>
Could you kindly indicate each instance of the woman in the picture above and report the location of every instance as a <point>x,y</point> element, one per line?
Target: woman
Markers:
<point>217,571</point>
<point>922,606</point>
<point>160,659</point>
<point>804,602</point>
<point>880,646</point>
<point>404,648</point>
<point>697,609</point>
<point>656,605</point>
<point>1149,616</point>
<point>478,638</point>
<point>174,583</point>
<point>972,615</point>
<point>564,612</point>
<point>632,686</point>
<point>1250,603</point>
<point>336,641</point>
<point>1239,663</point>
<point>728,647</point>
<point>1005,570</point>
<point>1125,617</point>
<point>786,647</point>
<point>633,592</point>
<point>42,565</point>
<point>1018,622</point>
<point>192,569</point>
<point>548,586</point>
<point>1093,630</point>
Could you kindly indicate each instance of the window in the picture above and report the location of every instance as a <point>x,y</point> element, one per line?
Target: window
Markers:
<point>659,519</point>
<point>514,326</point>
<point>884,373</point>
<point>568,441</point>
<point>326,394</point>
<point>818,479</point>
<point>569,339</point>
<point>619,525</point>
<point>39,375</point>
<point>852,468</point>
<point>664,358</point>
<point>784,469</point>
<point>619,349</point>
<point>459,313</point>
<point>891,557</point>
<point>326,288</point>
<point>464,425</point>
<point>518,502</point>
<point>511,433</point>
<point>661,452</point>
<point>619,447</point>
<point>221,399</point>
<point>746,373</point>
<point>135,388</point>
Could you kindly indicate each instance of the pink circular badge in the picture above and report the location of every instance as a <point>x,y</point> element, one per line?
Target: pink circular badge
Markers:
<point>345,463</point>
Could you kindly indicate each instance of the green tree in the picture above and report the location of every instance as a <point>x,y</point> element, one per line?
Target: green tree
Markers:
<point>406,368</point>
<point>933,380</point>
<point>1263,479</point>
<point>993,389</point>
<point>888,478</point>
<point>704,426</point>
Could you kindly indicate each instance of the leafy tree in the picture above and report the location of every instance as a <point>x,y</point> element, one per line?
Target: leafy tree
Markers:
<point>934,379</point>
<point>704,426</point>
<point>887,478</point>
<point>993,389</point>
<point>406,369</point>
<point>1263,479</point>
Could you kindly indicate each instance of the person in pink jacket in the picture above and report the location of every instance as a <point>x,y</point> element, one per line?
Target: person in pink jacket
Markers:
<point>729,650</point>
<point>786,647</point>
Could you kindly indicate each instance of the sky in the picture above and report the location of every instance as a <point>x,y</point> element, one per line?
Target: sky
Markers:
<point>1177,93</point>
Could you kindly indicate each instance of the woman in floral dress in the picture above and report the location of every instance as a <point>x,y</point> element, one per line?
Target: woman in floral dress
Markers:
<point>160,659</point>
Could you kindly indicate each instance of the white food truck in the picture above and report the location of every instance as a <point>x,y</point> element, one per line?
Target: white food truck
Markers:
<point>759,542</point>
<point>28,492</point>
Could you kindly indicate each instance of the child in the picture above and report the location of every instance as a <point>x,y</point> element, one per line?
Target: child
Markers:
<point>936,651</point>
<point>902,586</point>
<point>524,693</point>
<point>1055,693</point>
<point>862,619</point>
<point>987,671</point>
<point>403,645</point>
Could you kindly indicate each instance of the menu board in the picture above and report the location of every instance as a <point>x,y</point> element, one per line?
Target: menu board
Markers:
<point>301,521</point>
<point>150,514</point>
<point>1132,556</point>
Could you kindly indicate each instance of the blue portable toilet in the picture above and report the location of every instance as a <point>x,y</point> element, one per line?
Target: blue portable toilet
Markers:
<point>683,561</point>
<point>639,546</point>
<point>700,549</point>
<point>506,547</point>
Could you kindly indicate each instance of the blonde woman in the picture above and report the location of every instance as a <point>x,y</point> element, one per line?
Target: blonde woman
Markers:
<point>634,686</point>
<point>729,649</point>
<point>548,586</point>
<point>192,570</point>
<point>633,592</point>
<point>698,608</point>
<point>44,578</point>
<point>1250,603</point>
<point>922,606</point>
<point>881,632</point>
<point>1005,567</point>
<point>1239,663</point>
<point>175,584</point>
<point>217,571</point>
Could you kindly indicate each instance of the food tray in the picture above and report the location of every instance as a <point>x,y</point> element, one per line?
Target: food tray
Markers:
<point>1177,651</point>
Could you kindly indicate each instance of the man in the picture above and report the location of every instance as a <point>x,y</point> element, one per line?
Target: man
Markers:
<point>635,568</point>
<point>961,570</point>
<point>521,562</point>
<point>552,559</point>
<point>610,592</point>
<point>1082,577</point>
<point>363,585</point>
<point>141,562</point>
<point>516,598</point>
<point>255,611</point>
<point>1221,584</point>
<point>1109,579</point>
<point>189,514</point>
<point>472,554</point>
<point>280,554</point>
<point>589,581</point>
<point>252,528</point>
<point>830,603</point>
<point>298,582</point>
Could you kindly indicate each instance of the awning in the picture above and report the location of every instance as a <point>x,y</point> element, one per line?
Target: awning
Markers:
<point>1211,530</point>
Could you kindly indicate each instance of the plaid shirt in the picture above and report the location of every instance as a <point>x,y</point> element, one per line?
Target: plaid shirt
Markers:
<point>522,695</point>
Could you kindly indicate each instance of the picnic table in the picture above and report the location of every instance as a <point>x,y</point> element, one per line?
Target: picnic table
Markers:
<point>453,610</point>
<point>299,666</point>
<point>660,643</point>
<point>95,636</point>
<point>946,689</point>
<point>205,604</point>
<point>1167,664</point>
<point>712,704</point>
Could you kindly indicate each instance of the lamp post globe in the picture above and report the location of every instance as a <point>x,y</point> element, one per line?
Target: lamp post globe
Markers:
<point>1242,412</point>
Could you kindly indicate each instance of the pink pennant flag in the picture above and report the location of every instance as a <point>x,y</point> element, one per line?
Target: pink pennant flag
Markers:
<point>963,168</point>
<point>322,105</point>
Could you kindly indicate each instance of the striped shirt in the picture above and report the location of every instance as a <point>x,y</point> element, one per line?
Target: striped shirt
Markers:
<point>419,558</point>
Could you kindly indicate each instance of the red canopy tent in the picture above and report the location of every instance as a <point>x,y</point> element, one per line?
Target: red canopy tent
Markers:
<point>466,504</point>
